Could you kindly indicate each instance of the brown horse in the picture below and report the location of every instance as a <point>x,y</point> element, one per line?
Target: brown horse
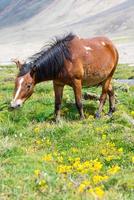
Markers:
<point>70,61</point>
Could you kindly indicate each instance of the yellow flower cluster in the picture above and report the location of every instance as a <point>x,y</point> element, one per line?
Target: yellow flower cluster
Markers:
<point>95,165</point>
<point>84,185</point>
<point>101,129</point>
<point>47,158</point>
<point>86,176</point>
<point>80,167</point>
<point>74,150</point>
<point>113,170</point>
<point>64,169</point>
<point>40,181</point>
<point>99,191</point>
<point>98,178</point>
<point>111,152</point>
<point>43,141</point>
<point>96,191</point>
<point>86,166</point>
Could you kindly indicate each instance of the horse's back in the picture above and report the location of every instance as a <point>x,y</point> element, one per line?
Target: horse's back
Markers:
<point>98,57</point>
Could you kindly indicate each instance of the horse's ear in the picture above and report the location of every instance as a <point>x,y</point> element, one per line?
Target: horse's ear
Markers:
<point>18,63</point>
<point>33,71</point>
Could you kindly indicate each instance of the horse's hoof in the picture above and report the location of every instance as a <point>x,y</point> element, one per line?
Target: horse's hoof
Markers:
<point>97,115</point>
<point>111,111</point>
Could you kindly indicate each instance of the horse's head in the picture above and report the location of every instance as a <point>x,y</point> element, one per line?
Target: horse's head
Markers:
<point>24,86</point>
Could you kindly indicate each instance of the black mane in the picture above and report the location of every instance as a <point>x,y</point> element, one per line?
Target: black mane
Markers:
<point>49,61</point>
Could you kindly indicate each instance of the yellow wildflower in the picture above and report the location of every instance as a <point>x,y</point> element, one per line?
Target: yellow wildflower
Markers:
<point>99,129</point>
<point>64,169</point>
<point>99,192</point>
<point>81,188</point>
<point>98,178</point>
<point>36,130</point>
<point>104,137</point>
<point>132,113</point>
<point>84,171</point>
<point>86,182</point>
<point>109,158</point>
<point>84,185</point>
<point>74,150</point>
<point>81,167</point>
<point>110,144</point>
<point>47,158</point>
<point>48,142</point>
<point>37,172</point>
<point>120,150</point>
<point>42,183</point>
<point>96,165</point>
<point>111,152</point>
<point>86,164</point>
<point>70,159</point>
<point>104,152</point>
<point>114,169</point>
<point>91,190</point>
<point>104,178</point>
<point>132,159</point>
<point>38,141</point>
<point>76,163</point>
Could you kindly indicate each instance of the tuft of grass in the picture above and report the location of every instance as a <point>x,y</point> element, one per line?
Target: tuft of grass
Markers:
<point>40,159</point>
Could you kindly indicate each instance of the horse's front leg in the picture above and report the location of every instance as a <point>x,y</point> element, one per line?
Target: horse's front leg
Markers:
<point>58,90</point>
<point>77,87</point>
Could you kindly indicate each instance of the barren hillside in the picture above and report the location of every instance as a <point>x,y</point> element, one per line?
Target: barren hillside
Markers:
<point>26,25</point>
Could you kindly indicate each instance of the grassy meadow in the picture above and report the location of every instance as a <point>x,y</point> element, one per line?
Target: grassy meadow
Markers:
<point>89,159</point>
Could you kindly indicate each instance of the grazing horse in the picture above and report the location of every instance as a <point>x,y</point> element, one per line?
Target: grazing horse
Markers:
<point>70,61</point>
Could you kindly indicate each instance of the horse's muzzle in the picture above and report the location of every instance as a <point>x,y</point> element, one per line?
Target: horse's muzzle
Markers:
<point>16,104</point>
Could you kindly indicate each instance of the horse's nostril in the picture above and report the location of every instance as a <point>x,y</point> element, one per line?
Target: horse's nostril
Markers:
<point>13,106</point>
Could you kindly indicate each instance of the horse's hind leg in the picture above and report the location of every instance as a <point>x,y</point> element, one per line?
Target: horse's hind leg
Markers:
<point>111,100</point>
<point>103,96</point>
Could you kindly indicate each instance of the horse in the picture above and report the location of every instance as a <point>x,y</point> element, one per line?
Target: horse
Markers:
<point>69,60</point>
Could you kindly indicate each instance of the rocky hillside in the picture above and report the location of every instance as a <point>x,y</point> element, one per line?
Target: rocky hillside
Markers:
<point>26,25</point>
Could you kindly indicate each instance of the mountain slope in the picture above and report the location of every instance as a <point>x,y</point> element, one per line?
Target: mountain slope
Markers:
<point>26,25</point>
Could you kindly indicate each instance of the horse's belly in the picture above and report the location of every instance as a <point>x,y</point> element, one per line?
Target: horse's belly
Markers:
<point>94,77</point>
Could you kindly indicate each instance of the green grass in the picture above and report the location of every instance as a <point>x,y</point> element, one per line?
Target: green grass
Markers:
<point>29,134</point>
<point>124,72</point>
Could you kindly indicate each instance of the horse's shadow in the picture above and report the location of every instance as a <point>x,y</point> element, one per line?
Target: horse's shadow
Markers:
<point>68,111</point>
<point>72,112</point>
